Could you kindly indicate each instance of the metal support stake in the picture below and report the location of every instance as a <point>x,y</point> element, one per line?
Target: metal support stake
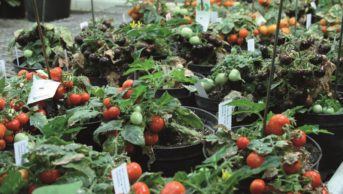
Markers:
<point>272,69</point>
<point>93,16</point>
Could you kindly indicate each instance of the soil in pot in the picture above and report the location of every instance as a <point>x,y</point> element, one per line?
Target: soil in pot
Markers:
<point>173,156</point>
<point>331,144</point>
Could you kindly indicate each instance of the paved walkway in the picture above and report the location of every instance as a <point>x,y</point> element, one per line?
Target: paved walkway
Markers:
<point>7,27</point>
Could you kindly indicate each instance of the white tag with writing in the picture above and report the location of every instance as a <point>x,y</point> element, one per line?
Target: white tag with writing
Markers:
<point>42,89</point>
<point>308,20</point>
<point>251,45</point>
<point>20,148</point>
<point>335,185</point>
<point>2,69</point>
<point>225,114</point>
<point>203,18</point>
<point>260,20</point>
<point>83,25</point>
<point>120,179</point>
<point>313,5</point>
<point>16,55</point>
<point>201,90</point>
<point>214,17</point>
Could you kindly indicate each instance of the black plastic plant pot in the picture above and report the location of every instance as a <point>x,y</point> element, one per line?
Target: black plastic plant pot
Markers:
<point>9,12</point>
<point>185,96</point>
<point>332,145</point>
<point>202,69</point>
<point>85,136</point>
<point>171,159</point>
<point>18,68</point>
<point>54,10</point>
<point>207,104</point>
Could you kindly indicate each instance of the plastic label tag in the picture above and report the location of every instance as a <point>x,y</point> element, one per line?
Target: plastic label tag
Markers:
<point>120,179</point>
<point>214,17</point>
<point>308,20</point>
<point>83,25</point>
<point>225,114</point>
<point>313,5</point>
<point>16,55</point>
<point>203,13</point>
<point>168,16</point>
<point>2,69</point>
<point>335,185</point>
<point>251,45</point>
<point>20,148</point>
<point>260,20</point>
<point>42,89</point>
<point>201,90</point>
<point>123,18</point>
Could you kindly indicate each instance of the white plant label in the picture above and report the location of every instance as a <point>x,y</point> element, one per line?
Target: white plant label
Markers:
<point>203,18</point>
<point>42,89</point>
<point>225,114</point>
<point>2,69</point>
<point>308,20</point>
<point>83,25</point>
<point>201,90</point>
<point>260,20</point>
<point>123,18</point>
<point>214,17</point>
<point>16,55</point>
<point>251,45</point>
<point>313,5</point>
<point>20,148</point>
<point>335,185</point>
<point>168,16</point>
<point>120,179</point>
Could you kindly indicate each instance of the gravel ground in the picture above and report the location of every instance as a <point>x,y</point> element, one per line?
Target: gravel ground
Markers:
<point>8,26</point>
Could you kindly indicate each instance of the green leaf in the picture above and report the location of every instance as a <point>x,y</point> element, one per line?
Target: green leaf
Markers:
<point>134,134</point>
<point>82,116</point>
<point>246,103</point>
<point>55,126</point>
<point>140,65</point>
<point>12,183</point>
<point>84,168</point>
<point>165,99</point>
<point>38,120</point>
<point>188,117</point>
<point>70,188</point>
<point>2,85</point>
<point>107,127</point>
<point>314,129</point>
<point>267,144</point>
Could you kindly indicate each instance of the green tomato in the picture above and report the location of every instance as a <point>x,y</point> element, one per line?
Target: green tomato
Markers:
<point>330,110</point>
<point>221,79</point>
<point>207,84</point>
<point>20,137</point>
<point>183,11</point>
<point>137,109</point>
<point>235,75</point>
<point>175,9</point>
<point>317,108</point>
<point>27,53</point>
<point>195,40</point>
<point>136,118</point>
<point>186,32</point>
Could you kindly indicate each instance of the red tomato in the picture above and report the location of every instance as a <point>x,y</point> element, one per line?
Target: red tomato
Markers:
<point>242,142</point>
<point>23,118</point>
<point>292,168</point>
<point>243,33</point>
<point>29,76</point>
<point>2,144</point>
<point>315,178</point>
<point>56,74</point>
<point>49,176</point>
<point>106,114</point>
<point>114,112</point>
<point>107,102</point>
<point>9,138</point>
<point>254,160</point>
<point>140,188</point>
<point>276,123</point>
<point>257,186</point>
<point>127,84</point>
<point>31,188</point>
<point>233,38</point>
<point>240,41</point>
<point>75,99</point>
<point>299,139</point>
<point>134,171</point>
<point>16,105</point>
<point>13,125</point>
<point>256,32</point>
<point>2,104</point>
<point>60,92</point>
<point>128,94</point>
<point>156,124</point>
<point>68,84</point>
<point>22,72</point>
<point>85,97</point>
<point>173,187</point>
<point>129,148</point>
<point>325,191</point>
<point>150,138</point>
<point>2,130</point>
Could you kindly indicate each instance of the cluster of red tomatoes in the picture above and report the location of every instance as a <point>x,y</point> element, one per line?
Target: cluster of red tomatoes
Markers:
<point>298,138</point>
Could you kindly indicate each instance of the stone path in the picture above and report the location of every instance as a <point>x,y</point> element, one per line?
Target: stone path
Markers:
<point>7,27</point>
